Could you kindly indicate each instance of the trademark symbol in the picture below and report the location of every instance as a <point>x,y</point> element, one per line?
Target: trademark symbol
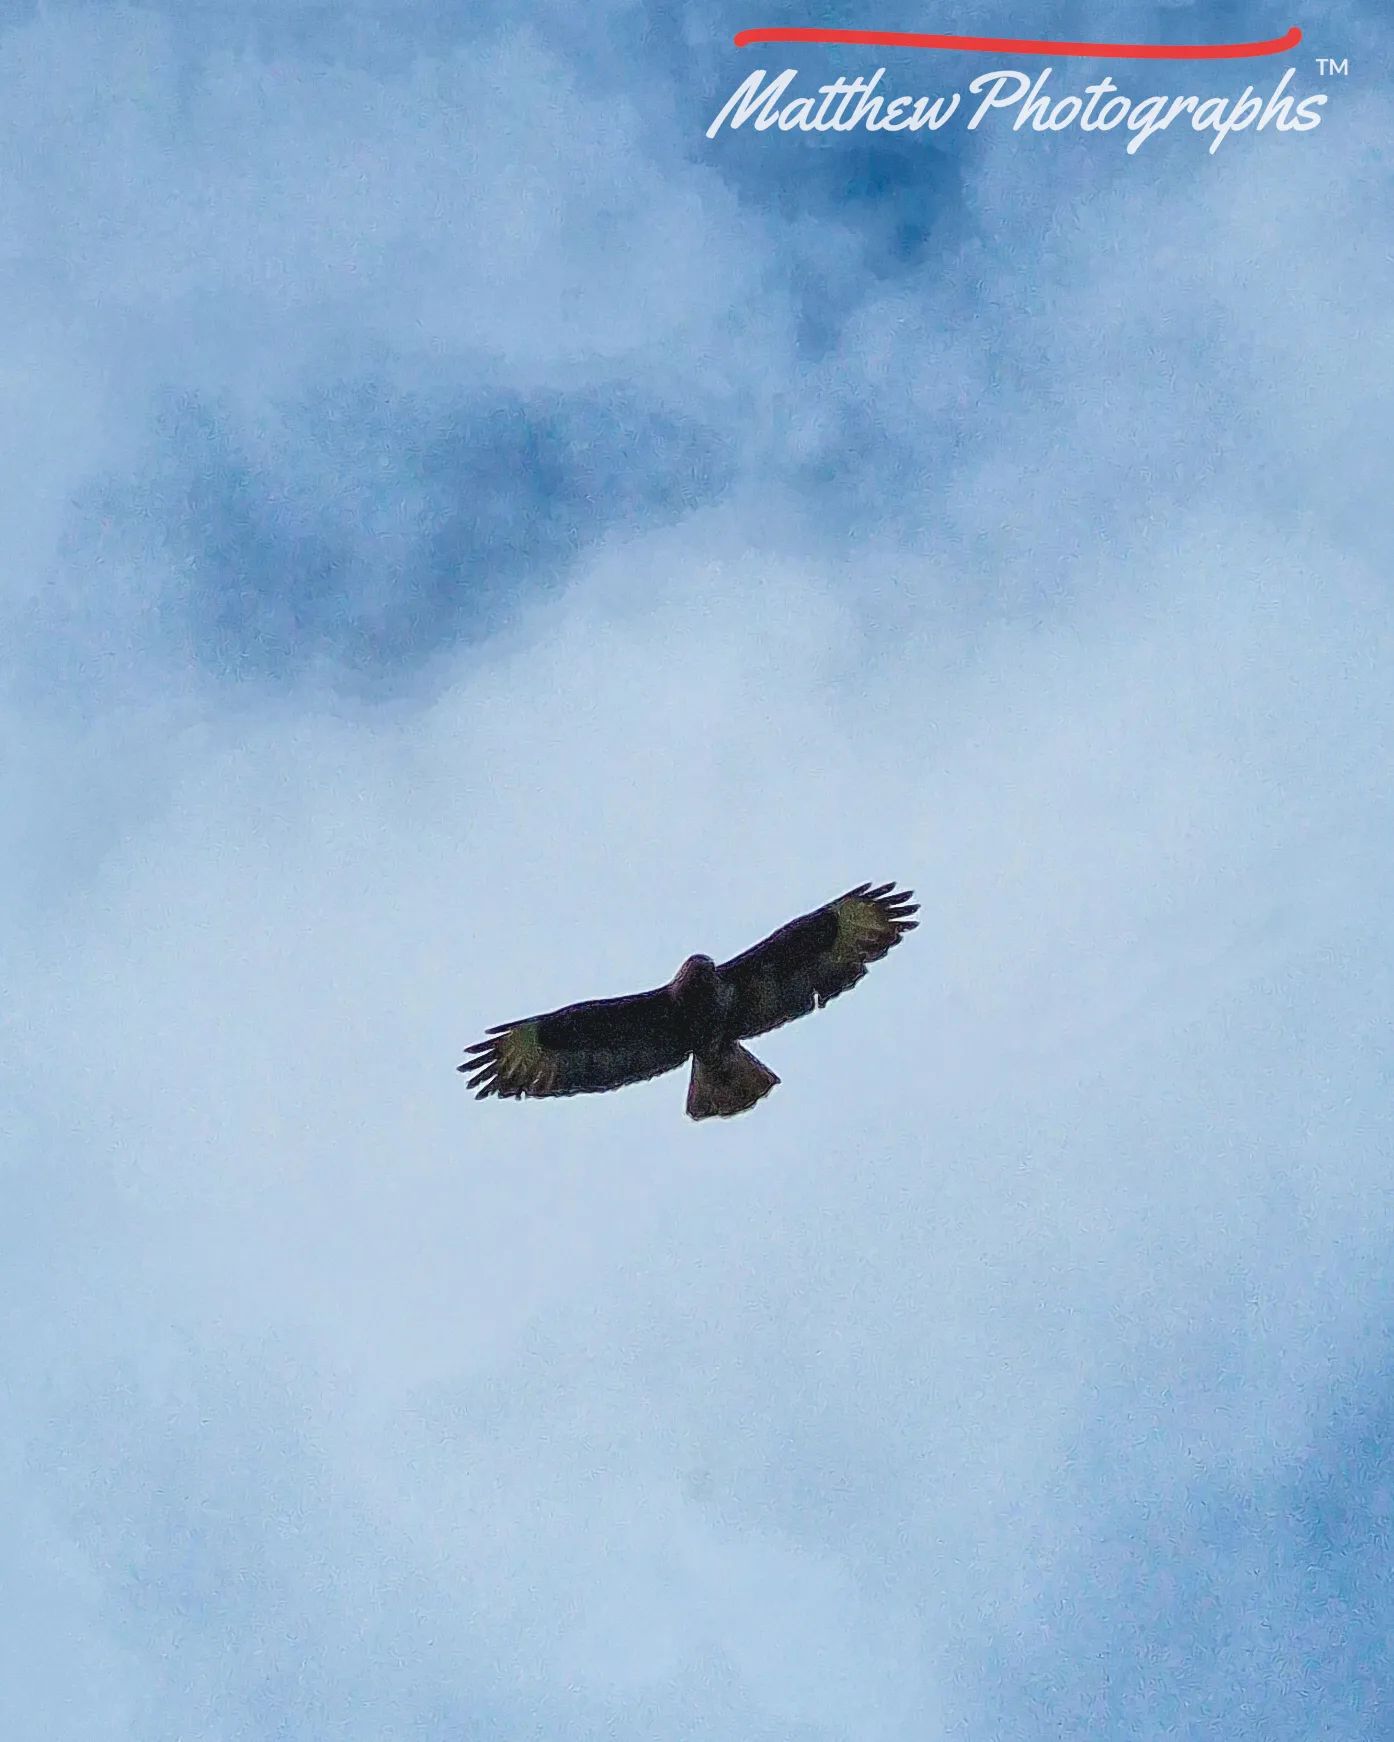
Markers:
<point>1329,67</point>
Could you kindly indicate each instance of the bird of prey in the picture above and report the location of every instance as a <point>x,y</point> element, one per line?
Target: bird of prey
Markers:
<point>702,1014</point>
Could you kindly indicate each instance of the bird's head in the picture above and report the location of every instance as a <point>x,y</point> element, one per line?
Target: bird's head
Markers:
<point>696,971</point>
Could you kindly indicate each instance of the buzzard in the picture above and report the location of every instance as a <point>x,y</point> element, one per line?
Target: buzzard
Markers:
<point>702,1014</point>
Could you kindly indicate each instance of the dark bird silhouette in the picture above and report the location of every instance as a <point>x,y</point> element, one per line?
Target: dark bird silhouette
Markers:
<point>702,1014</point>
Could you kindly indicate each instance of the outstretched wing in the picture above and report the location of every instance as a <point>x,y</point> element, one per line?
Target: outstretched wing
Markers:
<point>580,1050</point>
<point>803,964</point>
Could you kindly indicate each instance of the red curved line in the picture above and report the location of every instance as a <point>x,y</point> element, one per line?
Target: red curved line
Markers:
<point>1023,45</point>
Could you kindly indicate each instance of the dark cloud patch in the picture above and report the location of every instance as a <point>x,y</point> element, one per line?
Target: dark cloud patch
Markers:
<point>856,210</point>
<point>368,531</point>
<point>1342,1508</point>
<point>1253,1611</point>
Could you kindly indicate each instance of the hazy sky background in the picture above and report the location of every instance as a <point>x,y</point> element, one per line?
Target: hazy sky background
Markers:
<point>469,541</point>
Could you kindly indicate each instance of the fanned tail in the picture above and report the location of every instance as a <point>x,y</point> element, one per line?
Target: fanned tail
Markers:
<point>731,1082</point>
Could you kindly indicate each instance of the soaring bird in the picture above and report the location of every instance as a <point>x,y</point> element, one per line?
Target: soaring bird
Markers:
<point>702,1014</point>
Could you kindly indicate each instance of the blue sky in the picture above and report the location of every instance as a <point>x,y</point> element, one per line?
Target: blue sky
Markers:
<point>473,540</point>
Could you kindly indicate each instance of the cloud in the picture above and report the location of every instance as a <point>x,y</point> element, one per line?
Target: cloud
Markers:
<point>450,582</point>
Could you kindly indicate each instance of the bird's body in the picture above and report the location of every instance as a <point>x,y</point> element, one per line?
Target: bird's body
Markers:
<point>703,1002</point>
<point>726,1078</point>
<point>702,1014</point>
